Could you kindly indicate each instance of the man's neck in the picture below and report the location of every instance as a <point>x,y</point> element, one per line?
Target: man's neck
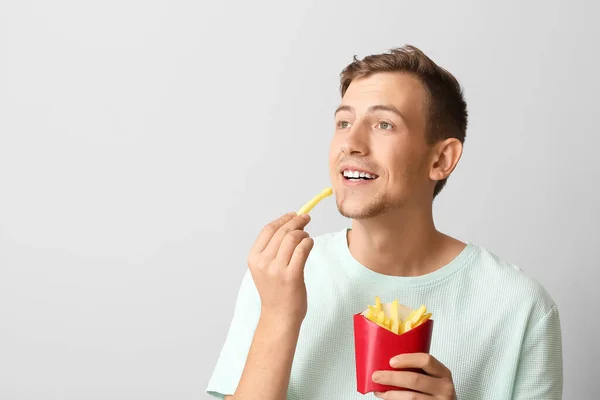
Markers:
<point>402,242</point>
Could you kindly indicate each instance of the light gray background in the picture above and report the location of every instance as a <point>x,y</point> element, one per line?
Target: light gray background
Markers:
<point>144,144</point>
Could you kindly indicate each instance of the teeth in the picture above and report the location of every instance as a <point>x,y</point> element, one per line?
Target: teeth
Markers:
<point>356,174</point>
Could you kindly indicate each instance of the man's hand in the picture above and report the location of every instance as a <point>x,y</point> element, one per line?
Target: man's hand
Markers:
<point>435,383</point>
<point>276,262</point>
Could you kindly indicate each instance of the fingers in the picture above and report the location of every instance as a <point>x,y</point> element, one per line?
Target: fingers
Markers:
<point>424,361</point>
<point>294,223</point>
<point>402,395</point>
<point>436,379</point>
<point>300,255</point>
<point>289,244</point>
<point>408,380</point>
<point>268,231</point>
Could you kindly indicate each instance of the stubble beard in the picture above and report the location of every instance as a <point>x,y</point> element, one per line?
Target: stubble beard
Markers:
<point>378,205</point>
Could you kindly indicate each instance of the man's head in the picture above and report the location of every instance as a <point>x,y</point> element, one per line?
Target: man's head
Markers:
<point>403,119</point>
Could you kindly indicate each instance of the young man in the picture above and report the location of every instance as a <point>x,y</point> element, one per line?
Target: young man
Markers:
<point>399,134</point>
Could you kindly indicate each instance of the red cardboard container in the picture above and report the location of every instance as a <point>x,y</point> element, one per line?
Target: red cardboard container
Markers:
<point>375,346</point>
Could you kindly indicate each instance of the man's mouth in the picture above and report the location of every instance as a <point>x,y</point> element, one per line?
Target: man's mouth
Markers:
<point>357,175</point>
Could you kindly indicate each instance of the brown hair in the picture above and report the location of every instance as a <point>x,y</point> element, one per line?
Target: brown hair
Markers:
<point>446,107</point>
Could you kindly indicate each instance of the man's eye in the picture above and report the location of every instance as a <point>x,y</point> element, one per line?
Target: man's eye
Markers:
<point>385,125</point>
<point>343,124</point>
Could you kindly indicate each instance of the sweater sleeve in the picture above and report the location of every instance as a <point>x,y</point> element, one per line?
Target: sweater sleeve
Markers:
<point>232,359</point>
<point>540,368</point>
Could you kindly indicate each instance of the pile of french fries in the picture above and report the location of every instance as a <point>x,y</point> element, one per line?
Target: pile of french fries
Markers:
<point>391,320</point>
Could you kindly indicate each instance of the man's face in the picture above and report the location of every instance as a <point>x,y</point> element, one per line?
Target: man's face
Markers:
<point>380,132</point>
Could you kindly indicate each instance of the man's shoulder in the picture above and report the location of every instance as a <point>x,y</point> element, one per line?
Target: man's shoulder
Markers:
<point>512,283</point>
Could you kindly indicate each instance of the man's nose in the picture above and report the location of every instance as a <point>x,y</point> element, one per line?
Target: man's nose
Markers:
<point>356,141</point>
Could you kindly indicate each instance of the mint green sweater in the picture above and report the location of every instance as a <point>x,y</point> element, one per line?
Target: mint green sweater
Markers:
<point>495,328</point>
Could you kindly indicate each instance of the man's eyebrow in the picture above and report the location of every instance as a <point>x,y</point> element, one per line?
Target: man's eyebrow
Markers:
<point>382,107</point>
<point>377,107</point>
<point>343,108</point>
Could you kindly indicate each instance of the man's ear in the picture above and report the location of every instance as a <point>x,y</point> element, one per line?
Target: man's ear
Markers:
<point>446,155</point>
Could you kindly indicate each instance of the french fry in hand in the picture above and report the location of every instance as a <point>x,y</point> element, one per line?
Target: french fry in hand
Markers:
<point>305,209</point>
<point>396,318</point>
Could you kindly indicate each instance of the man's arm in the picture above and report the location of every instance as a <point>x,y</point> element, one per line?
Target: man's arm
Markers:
<point>276,263</point>
<point>540,370</point>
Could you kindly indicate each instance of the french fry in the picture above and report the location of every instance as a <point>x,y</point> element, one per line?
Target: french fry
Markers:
<point>305,209</point>
<point>370,315</point>
<point>378,303</point>
<point>381,318</point>
<point>375,310</point>
<point>424,318</point>
<point>373,317</point>
<point>415,315</point>
<point>394,317</point>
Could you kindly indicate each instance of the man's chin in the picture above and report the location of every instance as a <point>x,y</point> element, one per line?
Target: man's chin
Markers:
<point>359,213</point>
<point>358,208</point>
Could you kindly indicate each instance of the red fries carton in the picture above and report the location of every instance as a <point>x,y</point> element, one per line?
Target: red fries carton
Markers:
<point>385,331</point>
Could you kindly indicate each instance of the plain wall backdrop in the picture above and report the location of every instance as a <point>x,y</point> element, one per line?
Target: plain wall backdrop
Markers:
<point>143,144</point>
